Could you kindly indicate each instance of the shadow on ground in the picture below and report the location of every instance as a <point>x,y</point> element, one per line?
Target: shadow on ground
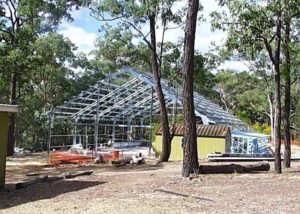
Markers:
<point>130,167</point>
<point>43,191</point>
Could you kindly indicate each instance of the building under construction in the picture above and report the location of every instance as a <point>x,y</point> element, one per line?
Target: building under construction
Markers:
<point>118,111</point>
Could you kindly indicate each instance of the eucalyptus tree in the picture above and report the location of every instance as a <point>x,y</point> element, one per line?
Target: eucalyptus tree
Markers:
<point>117,48</point>
<point>290,28</point>
<point>256,27</point>
<point>190,157</point>
<point>245,94</point>
<point>21,22</point>
<point>141,18</point>
<point>50,72</point>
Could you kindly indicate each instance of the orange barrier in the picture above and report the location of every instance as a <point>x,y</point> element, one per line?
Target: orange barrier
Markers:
<point>66,157</point>
<point>115,155</point>
<point>293,142</point>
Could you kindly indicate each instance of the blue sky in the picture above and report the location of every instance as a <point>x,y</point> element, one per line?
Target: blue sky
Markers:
<point>83,32</point>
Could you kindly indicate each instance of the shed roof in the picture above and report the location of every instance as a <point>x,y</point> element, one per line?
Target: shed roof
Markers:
<point>8,108</point>
<point>220,131</point>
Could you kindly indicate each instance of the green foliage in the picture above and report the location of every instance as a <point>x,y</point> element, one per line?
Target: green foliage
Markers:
<point>243,94</point>
<point>128,20</point>
<point>36,60</point>
<point>253,36</point>
<point>117,48</point>
<point>262,128</point>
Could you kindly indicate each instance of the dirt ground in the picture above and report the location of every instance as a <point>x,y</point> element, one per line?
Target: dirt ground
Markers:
<point>148,189</point>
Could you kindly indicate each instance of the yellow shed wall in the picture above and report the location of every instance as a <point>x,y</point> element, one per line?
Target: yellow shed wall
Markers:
<point>176,150</point>
<point>3,146</point>
<point>157,144</point>
<point>205,146</point>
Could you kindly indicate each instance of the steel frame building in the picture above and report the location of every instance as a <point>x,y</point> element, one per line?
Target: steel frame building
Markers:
<point>124,103</point>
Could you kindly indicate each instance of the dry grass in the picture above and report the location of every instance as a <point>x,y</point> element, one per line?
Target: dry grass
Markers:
<point>151,189</point>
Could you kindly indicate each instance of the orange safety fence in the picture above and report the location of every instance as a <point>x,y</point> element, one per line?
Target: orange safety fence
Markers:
<point>293,142</point>
<point>66,157</point>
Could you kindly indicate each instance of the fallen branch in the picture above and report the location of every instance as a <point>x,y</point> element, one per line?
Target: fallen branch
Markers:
<point>121,162</point>
<point>182,195</point>
<point>27,183</point>
<point>232,168</point>
<point>54,178</point>
<point>33,174</point>
<point>74,175</point>
<point>46,178</point>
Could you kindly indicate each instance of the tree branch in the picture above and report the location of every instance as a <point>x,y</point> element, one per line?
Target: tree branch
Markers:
<point>100,17</point>
<point>140,32</point>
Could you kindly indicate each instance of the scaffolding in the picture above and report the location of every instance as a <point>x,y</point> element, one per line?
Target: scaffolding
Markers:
<point>119,109</point>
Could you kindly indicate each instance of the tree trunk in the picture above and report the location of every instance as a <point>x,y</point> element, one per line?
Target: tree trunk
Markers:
<point>277,97</point>
<point>12,117</point>
<point>287,98</point>
<point>166,141</point>
<point>271,118</point>
<point>275,58</point>
<point>190,159</point>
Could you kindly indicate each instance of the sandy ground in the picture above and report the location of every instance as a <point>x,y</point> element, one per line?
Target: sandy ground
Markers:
<point>149,189</point>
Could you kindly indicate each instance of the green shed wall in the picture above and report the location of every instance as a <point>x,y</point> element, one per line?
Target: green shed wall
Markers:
<point>205,146</point>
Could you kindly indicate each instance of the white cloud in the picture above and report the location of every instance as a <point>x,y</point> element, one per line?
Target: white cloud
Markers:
<point>77,14</point>
<point>81,38</point>
<point>204,35</point>
<point>84,40</point>
<point>235,65</point>
<point>82,14</point>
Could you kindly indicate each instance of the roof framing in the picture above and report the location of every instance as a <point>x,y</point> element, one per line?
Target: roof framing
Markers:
<point>128,93</point>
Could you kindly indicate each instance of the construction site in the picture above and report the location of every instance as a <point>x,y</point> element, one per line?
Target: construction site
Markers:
<point>115,118</point>
<point>102,150</point>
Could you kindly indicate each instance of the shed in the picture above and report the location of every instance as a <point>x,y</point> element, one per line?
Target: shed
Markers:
<point>210,139</point>
<point>4,111</point>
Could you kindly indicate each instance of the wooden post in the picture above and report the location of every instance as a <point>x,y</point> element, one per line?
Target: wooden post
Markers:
<point>4,110</point>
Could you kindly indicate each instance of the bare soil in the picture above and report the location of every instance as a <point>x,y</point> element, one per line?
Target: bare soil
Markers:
<point>148,189</point>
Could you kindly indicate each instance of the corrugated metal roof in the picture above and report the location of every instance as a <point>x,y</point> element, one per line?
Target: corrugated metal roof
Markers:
<point>202,130</point>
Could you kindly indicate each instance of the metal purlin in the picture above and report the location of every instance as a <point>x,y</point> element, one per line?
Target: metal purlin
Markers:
<point>126,94</point>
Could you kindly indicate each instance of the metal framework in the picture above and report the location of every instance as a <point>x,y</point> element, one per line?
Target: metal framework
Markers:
<point>127,99</point>
<point>249,143</point>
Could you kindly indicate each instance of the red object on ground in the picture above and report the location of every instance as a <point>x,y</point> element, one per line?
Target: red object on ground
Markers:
<point>115,155</point>
<point>66,157</point>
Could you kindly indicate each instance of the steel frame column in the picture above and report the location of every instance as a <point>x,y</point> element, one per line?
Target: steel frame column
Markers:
<point>86,137</point>
<point>75,132</point>
<point>97,121</point>
<point>114,131</point>
<point>50,118</point>
<point>151,115</point>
